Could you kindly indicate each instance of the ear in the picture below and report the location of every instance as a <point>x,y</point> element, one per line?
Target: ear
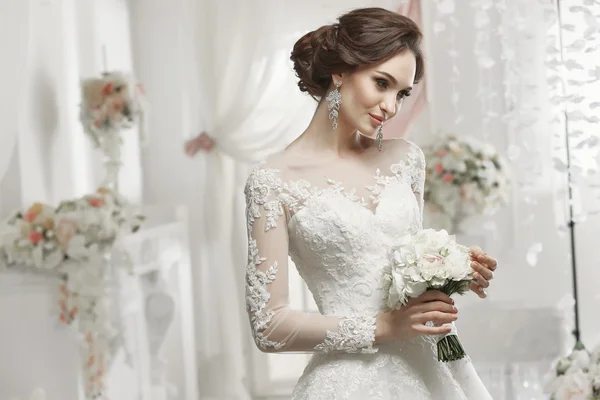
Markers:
<point>337,77</point>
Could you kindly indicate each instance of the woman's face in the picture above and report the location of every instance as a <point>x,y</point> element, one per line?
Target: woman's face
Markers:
<point>375,93</point>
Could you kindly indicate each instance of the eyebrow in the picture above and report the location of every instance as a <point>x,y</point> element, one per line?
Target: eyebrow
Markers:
<point>394,81</point>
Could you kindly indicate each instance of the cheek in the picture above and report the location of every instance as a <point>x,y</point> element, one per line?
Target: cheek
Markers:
<point>363,97</point>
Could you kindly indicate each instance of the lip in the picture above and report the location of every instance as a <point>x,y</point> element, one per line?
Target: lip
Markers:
<point>376,119</point>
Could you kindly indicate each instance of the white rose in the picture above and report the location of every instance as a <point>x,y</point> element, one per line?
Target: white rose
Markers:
<point>551,383</point>
<point>415,289</point>
<point>595,356</point>
<point>580,360</point>
<point>575,386</point>
<point>396,296</point>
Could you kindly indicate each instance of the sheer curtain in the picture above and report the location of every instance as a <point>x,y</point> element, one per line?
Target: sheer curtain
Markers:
<point>14,42</point>
<point>242,92</point>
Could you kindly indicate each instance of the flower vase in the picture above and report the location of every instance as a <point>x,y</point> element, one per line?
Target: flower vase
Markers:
<point>111,148</point>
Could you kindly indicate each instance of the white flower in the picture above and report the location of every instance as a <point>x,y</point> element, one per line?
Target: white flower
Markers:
<point>594,374</point>
<point>575,386</point>
<point>580,360</point>
<point>595,356</point>
<point>427,259</point>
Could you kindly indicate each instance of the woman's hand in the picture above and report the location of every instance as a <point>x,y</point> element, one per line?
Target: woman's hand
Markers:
<point>200,142</point>
<point>410,320</point>
<point>484,267</point>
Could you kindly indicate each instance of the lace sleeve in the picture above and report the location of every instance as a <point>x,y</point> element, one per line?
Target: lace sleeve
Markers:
<point>418,177</point>
<point>276,327</point>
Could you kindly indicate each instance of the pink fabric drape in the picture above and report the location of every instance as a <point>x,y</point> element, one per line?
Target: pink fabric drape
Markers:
<point>414,104</point>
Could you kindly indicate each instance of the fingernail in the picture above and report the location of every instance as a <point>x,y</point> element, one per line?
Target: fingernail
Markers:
<point>452,300</point>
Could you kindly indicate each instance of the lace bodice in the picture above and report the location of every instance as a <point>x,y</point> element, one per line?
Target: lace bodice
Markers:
<point>337,234</point>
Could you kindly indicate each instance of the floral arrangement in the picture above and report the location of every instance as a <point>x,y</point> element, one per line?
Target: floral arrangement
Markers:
<point>76,241</point>
<point>464,177</point>
<point>576,376</point>
<point>430,260</point>
<point>44,237</point>
<point>111,103</point>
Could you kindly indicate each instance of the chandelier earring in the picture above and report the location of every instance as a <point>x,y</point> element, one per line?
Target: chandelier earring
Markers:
<point>334,100</point>
<point>379,137</point>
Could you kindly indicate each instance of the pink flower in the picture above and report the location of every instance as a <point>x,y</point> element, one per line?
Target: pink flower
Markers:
<point>33,212</point>
<point>448,177</point>
<point>433,258</point>
<point>35,237</point>
<point>65,230</point>
<point>442,153</point>
<point>107,88</point>
<point>96,202</point>
<point>439,168</point>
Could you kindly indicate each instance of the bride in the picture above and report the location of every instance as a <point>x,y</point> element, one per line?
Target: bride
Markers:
<point>334,200</point>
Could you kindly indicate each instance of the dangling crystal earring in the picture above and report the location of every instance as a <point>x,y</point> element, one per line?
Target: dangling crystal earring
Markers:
<point>334,100</point>
<point>379,137</point>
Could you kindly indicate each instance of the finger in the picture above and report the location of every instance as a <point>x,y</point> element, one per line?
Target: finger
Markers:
<point>436,317</point>
<point>476,251</point>
<point>434,306</point>
<point>490,262</point>
<point>433,295</point>
<point>432,330</point>
<point>482,271</point>
<point>478,290</point>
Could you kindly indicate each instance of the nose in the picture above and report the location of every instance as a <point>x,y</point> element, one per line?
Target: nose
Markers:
<point>388,106</point>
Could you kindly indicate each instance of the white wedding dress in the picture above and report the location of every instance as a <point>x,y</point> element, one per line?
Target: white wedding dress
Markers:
<point>336,227</point>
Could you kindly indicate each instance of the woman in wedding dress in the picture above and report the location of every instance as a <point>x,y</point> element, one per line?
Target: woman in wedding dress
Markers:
<point>334,200</point>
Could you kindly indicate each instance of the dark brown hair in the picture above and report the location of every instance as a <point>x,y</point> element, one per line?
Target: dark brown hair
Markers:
<point>362,37</point>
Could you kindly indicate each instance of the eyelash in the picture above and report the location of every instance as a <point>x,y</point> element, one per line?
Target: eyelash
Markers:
<point>386,84</point>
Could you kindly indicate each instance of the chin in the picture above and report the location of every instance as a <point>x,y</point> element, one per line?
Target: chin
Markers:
<point>368,131</point>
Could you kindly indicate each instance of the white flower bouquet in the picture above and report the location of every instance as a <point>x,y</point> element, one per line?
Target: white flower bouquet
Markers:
<point>430,260</point>
<point>575,377</point>
<point>464,177</point>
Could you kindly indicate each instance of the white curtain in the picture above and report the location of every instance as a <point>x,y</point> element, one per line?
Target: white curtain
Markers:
<point>242,92</point>
<point>14,42</point>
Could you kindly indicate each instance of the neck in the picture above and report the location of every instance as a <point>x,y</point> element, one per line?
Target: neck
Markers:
<point>320,137</point>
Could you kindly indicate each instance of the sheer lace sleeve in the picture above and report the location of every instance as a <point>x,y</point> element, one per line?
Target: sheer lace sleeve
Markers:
<point>276,327</point>
<point>418,178</point>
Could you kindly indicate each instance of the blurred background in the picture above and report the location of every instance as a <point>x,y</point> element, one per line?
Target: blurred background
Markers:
<point>518,79</point>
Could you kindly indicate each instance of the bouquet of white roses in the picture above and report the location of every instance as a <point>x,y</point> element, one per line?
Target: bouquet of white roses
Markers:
<point>464,177</point>
<point>575,377</point>
<point>430,260</point>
